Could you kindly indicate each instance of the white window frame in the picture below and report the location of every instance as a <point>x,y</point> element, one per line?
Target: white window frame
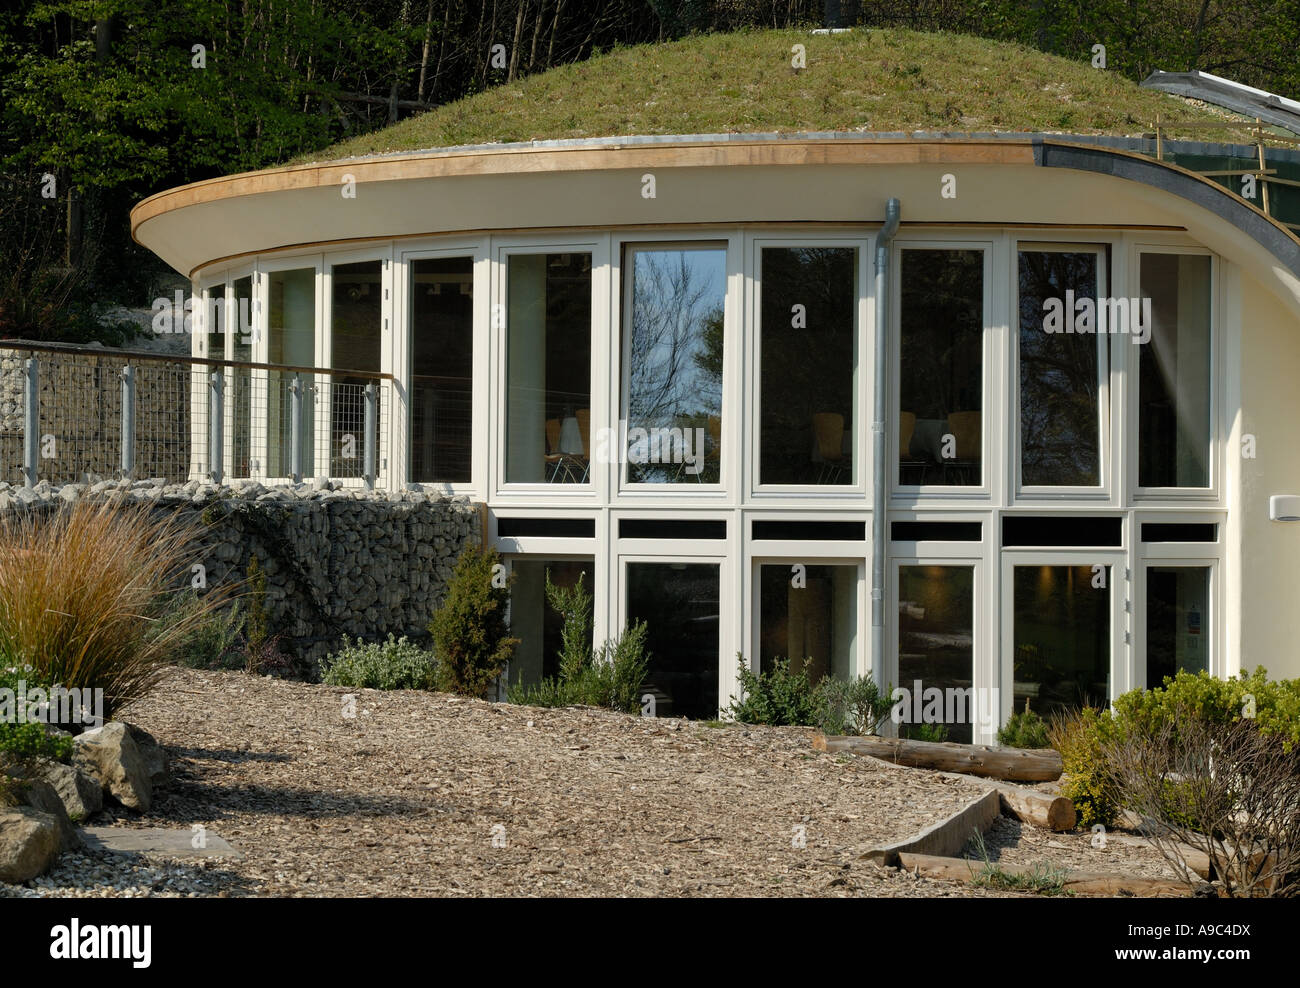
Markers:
<point>261,438</point>
<point>403,347</point>
<point>1213,493</point>
<point>992,410</point>
<point>596,488</point>
<point>727,240</point>
<point>753,354</point>
<point>1108,425</point>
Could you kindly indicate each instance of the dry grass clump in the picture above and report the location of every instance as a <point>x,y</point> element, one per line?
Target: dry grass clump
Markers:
<point>83,594</point>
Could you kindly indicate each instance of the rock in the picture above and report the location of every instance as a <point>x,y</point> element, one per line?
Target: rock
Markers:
<point>79,793</point>
<point>40,795</point>
<point>154,755</point>
<point>109,755</point>
<point>29,843</point>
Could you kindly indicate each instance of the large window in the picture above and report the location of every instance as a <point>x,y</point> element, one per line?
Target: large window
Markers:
<point>936,653</point>
<point>673,346</point>
<point>1061,368</point>
<point>1177,621</point>
<point>1174,373</point>
<point>539,626</point>
<point>548,368</point>
<point>1062,637</point>
<point>356,323</point>
<point>808,614</point>
<point>291,336</point>
<point>442,367</point>
<point>680,604</point>
<point>808,363</point>
<point>941,367</point>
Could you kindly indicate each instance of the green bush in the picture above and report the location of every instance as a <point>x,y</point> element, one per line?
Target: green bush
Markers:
<point>609,676</point>
<point>1079,738</point>
<point>469,630</point>
<point>1024,729</point>
<point>214,641</point>
<point>925,732</point>
<point>23,745</point>
<point>1274,706</point>
<point>779,697</point>
<point>854,706</point>
<point>388,665</point>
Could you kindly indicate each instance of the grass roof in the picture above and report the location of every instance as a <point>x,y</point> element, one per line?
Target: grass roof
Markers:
<point>864,81</point>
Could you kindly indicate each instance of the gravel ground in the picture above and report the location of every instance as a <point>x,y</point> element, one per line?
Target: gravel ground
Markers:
<point>429,794</point>
<point>1011,842</point>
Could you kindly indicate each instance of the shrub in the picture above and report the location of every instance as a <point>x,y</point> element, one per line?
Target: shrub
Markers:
<point>80,588</point>
<point>854,706</point>
<point>609,676</point>
<point>469,629</point>
<point>215,641</point>
<point>1079,738</point>
<point>23,744</point>
<point>780,697</point>
<point>934,733</point>
<point>1227,788</point>
<point>1024,729</point>
<point>777,697</point>
<point>1273,707</point>
<point>389,665</point>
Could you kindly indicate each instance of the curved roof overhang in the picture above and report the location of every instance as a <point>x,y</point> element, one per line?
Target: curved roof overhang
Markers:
<point>815,178</point>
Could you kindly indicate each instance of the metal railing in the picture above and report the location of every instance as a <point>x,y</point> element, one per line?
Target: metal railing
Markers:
<point>77,415</point>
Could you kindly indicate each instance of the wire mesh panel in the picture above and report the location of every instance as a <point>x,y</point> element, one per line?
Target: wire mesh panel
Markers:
<point>104,416</point>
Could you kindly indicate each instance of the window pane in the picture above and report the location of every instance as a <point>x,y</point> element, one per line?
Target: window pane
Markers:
<point>674,359</point>
<point>536,624</point>
<point>941,367</point>
<point>291,326</point>
<point>810,618</point>
<point>214,316</point>
<point>1060,419</point>
<point>356,317</point>
<point>1062,638</point>
<point>241,379</point>
<point>442,367</point>
<point>679,602</point>
<point>548,350</point>
<point>936,650</point>
<point>1178,621</point>
<point>1174,369</point>
<point>808,365</point>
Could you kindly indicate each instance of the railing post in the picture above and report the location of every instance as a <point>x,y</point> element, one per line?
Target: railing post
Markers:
<point>31,421</point>
<point>295,425</point>
<point>128,420</point>
<point>216,425</point>
<point>371,440</point>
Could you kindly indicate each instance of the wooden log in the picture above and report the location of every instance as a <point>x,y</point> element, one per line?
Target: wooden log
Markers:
<point>1046,810</point>
<point>1080,882</point>
<point>1014,764</point>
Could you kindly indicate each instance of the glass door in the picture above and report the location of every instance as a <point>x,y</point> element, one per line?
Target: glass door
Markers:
<point>1063,630</point>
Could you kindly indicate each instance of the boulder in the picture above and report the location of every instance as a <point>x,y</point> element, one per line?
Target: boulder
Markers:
<point>154,755</point>
<point>29,843</point>
<point>80,794</point>
<point>40,795</point>
<point>109,755</point>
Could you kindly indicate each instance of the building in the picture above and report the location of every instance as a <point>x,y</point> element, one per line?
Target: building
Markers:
<point>661,362</point>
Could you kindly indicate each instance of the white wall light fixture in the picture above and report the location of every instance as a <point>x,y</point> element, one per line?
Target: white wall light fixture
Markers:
<point>1284,507</point>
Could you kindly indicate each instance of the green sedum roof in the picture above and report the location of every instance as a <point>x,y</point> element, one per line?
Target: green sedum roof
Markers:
<point>865,81</point>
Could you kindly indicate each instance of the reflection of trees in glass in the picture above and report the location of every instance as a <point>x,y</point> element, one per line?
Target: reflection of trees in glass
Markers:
<point>1059,418</point>
<point>809,369</point>
<point>675,354</point>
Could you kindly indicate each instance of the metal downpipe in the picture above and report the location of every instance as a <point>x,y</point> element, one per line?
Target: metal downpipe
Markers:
<point>879,447</point>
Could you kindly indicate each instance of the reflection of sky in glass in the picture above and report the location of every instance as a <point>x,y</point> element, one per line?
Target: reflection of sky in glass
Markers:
<point>675,358</point>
